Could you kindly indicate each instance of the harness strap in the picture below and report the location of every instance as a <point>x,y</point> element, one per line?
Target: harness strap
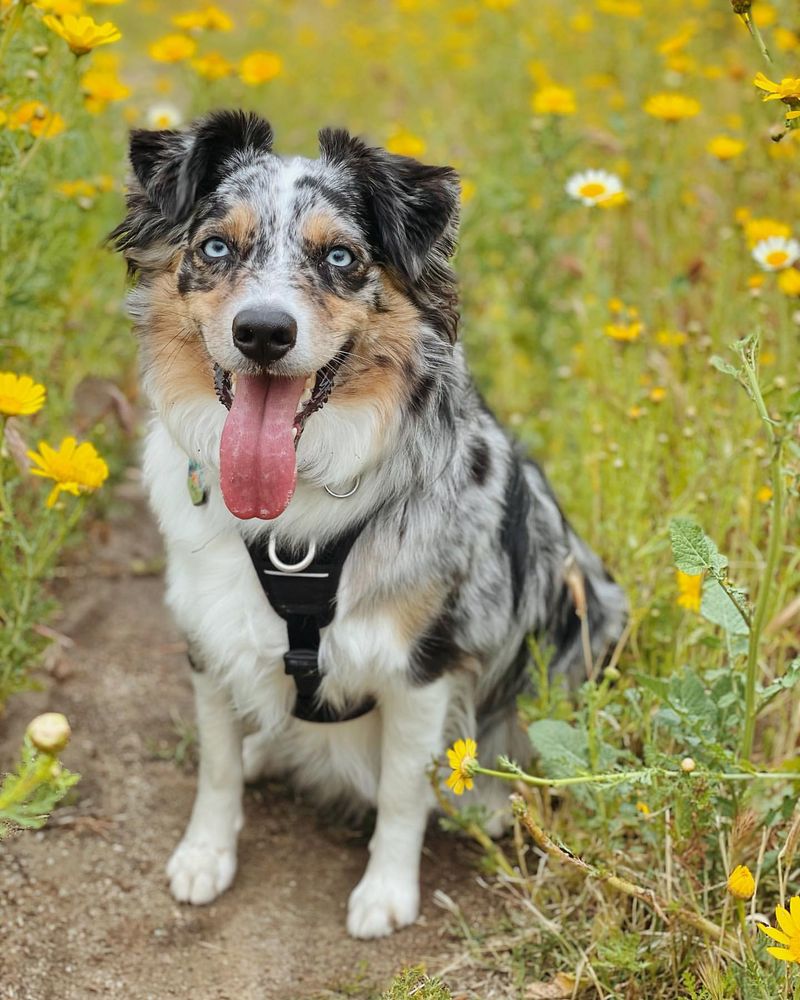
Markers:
<point>307,602</point>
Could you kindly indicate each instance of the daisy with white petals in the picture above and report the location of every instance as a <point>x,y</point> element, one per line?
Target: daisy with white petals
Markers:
<point>776,252</point>
<point>595,187</point>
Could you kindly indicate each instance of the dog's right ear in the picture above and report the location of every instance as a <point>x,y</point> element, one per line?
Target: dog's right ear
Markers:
<point>177,169</point>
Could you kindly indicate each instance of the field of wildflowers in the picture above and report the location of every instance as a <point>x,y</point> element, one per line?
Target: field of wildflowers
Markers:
<point>631,309</point>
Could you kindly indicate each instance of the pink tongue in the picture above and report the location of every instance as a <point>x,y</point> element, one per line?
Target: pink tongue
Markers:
<point>258,470</point>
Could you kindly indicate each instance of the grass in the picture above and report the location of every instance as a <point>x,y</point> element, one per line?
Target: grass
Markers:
<point>671,430</point>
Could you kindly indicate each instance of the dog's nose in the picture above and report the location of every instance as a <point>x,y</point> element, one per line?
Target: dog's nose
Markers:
<point>264,335</point>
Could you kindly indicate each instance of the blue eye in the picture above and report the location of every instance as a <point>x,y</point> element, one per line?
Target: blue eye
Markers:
<point>340,257</point>
<point>215,248</point>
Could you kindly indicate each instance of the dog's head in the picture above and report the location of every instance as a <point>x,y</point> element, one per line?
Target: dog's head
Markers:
<point>291,274</point>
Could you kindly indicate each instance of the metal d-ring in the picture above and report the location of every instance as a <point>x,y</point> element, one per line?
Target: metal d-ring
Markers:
<point>344,496</point>
<point>297,567</point>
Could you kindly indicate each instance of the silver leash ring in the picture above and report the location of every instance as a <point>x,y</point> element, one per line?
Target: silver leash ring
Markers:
<point>344,496</point>
<point>297,567</point>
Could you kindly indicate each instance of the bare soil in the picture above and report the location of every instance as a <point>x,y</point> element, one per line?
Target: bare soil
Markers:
<point>84,906</point>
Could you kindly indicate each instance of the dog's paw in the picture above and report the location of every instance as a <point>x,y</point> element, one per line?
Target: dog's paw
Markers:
<point>199,872</point>
<point>381,904</point>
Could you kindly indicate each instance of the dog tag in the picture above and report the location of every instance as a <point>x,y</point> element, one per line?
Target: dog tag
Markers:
<point>198,492</point>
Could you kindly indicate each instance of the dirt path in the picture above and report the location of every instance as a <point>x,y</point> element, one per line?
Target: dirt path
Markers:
<point>84,908</point>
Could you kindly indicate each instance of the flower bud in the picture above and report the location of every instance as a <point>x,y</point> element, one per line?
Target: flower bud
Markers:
<point>741,884</point>
<point>612,674</point>
<point>50,732</point>
<point>688,765</point>
<point>741,6</point>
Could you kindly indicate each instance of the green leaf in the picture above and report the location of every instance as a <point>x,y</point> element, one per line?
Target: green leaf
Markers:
<point>692,698</point>
<point>723,366</point>
<point>784,683</point>
<point>563,750</point>
<point>693,551</point>
<point>717,607</point>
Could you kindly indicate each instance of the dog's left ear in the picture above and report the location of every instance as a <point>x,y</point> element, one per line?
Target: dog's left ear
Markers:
<point>412,208</point>
<point>177,169</point>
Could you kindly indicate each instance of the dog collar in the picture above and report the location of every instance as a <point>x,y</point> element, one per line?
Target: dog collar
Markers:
<point>304,595</point>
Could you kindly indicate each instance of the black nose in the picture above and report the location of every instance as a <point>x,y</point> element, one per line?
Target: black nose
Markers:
<point>264,335</point>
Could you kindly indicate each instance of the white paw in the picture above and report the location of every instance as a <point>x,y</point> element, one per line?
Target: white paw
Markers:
<point>254,757</point>
<point>381,904</point>
<point>199,872</point>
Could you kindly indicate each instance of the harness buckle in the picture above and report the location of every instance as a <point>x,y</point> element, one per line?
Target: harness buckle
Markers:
<point>300,662</point>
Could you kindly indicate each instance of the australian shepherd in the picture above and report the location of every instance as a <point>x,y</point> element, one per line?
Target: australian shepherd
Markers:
<point>297,320</point>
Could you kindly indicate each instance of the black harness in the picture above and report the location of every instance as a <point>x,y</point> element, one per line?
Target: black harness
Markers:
<point>306,600</point>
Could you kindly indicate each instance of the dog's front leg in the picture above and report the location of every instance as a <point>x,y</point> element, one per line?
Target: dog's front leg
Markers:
<point>387,896</point>
<point>204,863</point>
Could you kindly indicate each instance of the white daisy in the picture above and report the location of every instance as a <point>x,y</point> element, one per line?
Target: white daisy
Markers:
<point>593,187</point>
<point>161,116</point>
<point>776,252</point>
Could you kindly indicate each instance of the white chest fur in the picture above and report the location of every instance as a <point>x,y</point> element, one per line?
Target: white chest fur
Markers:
<point>217,600</point>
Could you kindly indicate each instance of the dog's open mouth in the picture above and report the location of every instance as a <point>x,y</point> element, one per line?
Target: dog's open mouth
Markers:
<point>267,414</point>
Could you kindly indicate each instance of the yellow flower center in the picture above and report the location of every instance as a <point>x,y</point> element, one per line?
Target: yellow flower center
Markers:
<point>777,258</point>
<point>592,190</point>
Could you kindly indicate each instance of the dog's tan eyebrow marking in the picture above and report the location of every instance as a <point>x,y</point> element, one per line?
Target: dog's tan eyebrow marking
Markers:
<point>240,224</point>
<point>321,228</point>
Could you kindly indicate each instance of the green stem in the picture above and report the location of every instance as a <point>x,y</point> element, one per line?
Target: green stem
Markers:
<point>772,558</point>
<point>14,18</point>
<point>755,34</point>
<point>618,777</point>
<point>37,772</point>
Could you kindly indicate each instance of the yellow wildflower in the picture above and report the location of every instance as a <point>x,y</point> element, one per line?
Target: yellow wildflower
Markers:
<point>20,395</point>
<point>758,229</point>
<point>405,143</point>
<point>788,935</point>
<point>635,412</point>
<point>76,189</point>
<point>260,67</point>
<point>60,7</point>
<point>621,8</point>
<point>764,494</point>
<point>82,34</point>
<point>581,22</point>
<point>671,338</point>
<point>741,883</point>
<point>675,43</point>
<point>672,107</point>
<point>623,331</point>
<point>785,39</point>
<point>212,66</point>
<point>788,90</point>
<point>100,87</point>
<point>789,281</point>
<point>462,757</point>
<point>210,18</point>
<point>553,100</point>
<point>690,589</point>
<point>76,468</point>
<point>643,808</point>
<point>173,48</point>
<point>725,147</point>
<point>658,394</point>
<point>468,190</point>
<point>36,118</point>
<point>764,14</point>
